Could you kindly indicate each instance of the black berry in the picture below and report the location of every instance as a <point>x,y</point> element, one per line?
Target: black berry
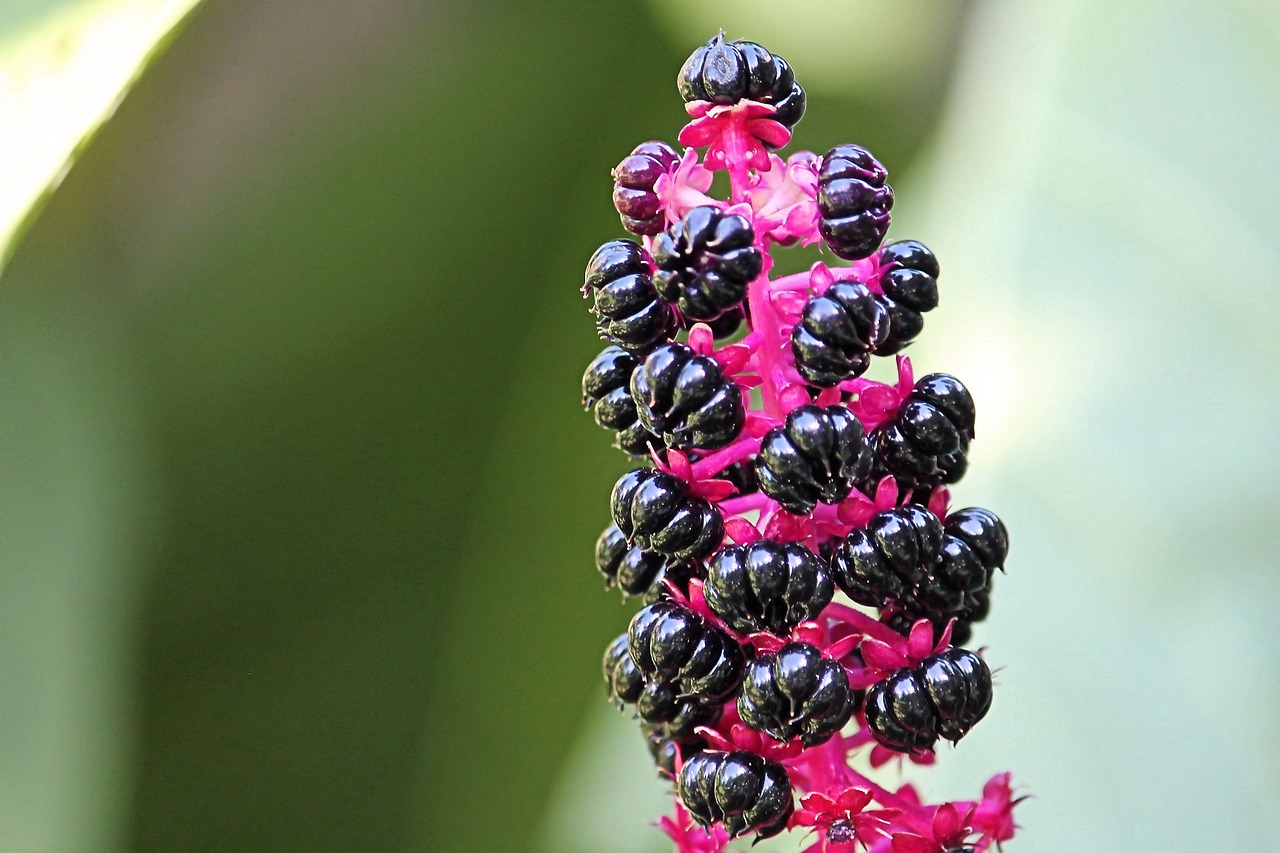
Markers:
<point>627,308</point>
<point>635,570</point>
<point>854,201</point>
<point>767,586</point>
<point>926,444</point>
<point>817,454</point>
<point>944,696</point>
<point>728,72</point>
<point>663,709</point>
<point>837,333</point>
<point>796,693</point>
<point>653,510</point>
<point>739,789</point>
<point>889,558</point>
<point>668,750</point>
<point>634,194</point>
<point>705,262</point>
<point>606,393</point>
<point>909,280</point>
<point>622,678</point>
<point>686,399</point>
<point>673,645</point>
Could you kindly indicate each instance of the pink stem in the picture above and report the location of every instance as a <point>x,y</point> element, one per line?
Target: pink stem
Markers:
<point>795,281</point>
<point>863,623</point>
<point>769,354</point>
<point>745,503</point>
<point>741,449</point>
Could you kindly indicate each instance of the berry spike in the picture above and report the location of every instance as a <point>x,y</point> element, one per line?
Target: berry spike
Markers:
<point>782,483</point>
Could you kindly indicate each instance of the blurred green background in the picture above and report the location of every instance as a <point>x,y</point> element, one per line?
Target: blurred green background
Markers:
<point>297,503</point>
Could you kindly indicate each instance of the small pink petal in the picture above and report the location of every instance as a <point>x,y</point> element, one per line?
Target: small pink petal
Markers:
<point>771,132</point>
<point>808,632</point>
<point>886,493</point>
<point>827,397</point>
<point>820,277</point>
<point>715,739</point>
<point>701,339</point>
<point>939,500</point>
<point>793,396</point>
<point>906,378</point>
<point>841,648</point>
<point>741,531</point>
<point>878,655</point>
<point>757,424</point>
<point>853,800</point>
<point>920,640</point>
<point>700,131</point>
<point>907,843</point>
<point>946,821</point>
<point>732,358</point>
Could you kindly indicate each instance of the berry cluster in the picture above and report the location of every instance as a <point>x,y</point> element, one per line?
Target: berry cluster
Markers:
<point>804,577</point>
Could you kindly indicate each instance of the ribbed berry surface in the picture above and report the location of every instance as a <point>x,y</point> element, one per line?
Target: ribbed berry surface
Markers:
<point>854,201</point>
<point>944,696</point>
<point>606,393</point>
<point>727,72</point>
<point>705,262</point>
<point>673,645</point>
<point>665,709</point>
<point>623,680</point>
<point>926,444</point>
<point>686,399</point>
<point>634,191</point>
<point>743,791</point>
<point>816,455</point>
<point>909,280</point>
<point>627,308</point>
<point>767,586</point>
<point>796,692</point>
<point>635,570</point>
<point>837,333</point>
<point>889,558</point>
<point>653,510</point>
<point>667,751</point>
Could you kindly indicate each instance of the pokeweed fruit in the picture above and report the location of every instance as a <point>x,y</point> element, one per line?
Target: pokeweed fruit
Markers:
<point>806,585</point>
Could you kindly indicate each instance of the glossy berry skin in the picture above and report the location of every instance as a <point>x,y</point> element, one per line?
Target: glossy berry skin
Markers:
<point>796,693</point>
<point>727,72</point>
<point>854,201</point>
<point>622,678</point>
<point>686,399</point>
<point>944,696</point>
<point>634,193</point>
<point>889,557</point>
<point>767,586</point>
<point>653,510</point>
<point>909,279</point>
<point>671,644</point>
<point>817,454</point>
<point>667,750</point>
<point>925,445</point>
<point>837,333</point>
<point>663,709</point>
<point>739,789</point>
<point>606,393</point>
<point>627,308</point>
<point>705,262</point>
<point>634,570</point>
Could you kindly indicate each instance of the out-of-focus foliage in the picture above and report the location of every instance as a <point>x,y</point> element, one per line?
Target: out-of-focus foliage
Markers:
<point>297,502</point>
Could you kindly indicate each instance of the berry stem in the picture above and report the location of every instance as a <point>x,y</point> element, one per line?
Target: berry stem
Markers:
<point>862,623</point>
<point>746,503</point>
<point>768,355</point>
<point>743,448</point>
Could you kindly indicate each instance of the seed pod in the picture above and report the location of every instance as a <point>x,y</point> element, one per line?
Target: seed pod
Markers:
<point>627,308</point>
<point>944,696</point>
<point>817,454</point>
<point>686,399</point>
<point>670,643</point>
<point>796,693</point>
<point>653,510</point>
<point>854,201</point>
<point>739,789</point>
<point>767,586</point>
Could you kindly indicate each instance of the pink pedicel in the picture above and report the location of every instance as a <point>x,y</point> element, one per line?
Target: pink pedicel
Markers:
<point>841,810</point>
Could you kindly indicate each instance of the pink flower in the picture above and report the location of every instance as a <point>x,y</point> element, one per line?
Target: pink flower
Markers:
<point>684,187</point>
<point>993,816</point>
<point>691,838</point>
<point>843,819</point>
<point>738,134</point>
<point>785,199</point>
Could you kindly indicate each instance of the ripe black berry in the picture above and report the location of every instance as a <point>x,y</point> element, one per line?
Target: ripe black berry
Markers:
<point>926,444</point>
<point>796,693</point>
<point>889,558</point>
<point>854,201</point>
<point>663,709</point>
<point>725,73</point>
<point>686,399</point>
<point>633,191</point>
<point>767,586</point>
<point>606,393</point>
<point>654,511</point>
<point>627,308</point>
<point>910,285</point>
<point>944,696</point>
<point>817,454</point>
<point>740,789</point>
<point>705,262</point>
<point>622,678</point>
<point>635,570</point>
<point>672,644</point>
<point>837,333</point>
<point>667,750</point>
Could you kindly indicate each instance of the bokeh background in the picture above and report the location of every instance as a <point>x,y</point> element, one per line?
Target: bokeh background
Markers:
<point>297,503</point>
